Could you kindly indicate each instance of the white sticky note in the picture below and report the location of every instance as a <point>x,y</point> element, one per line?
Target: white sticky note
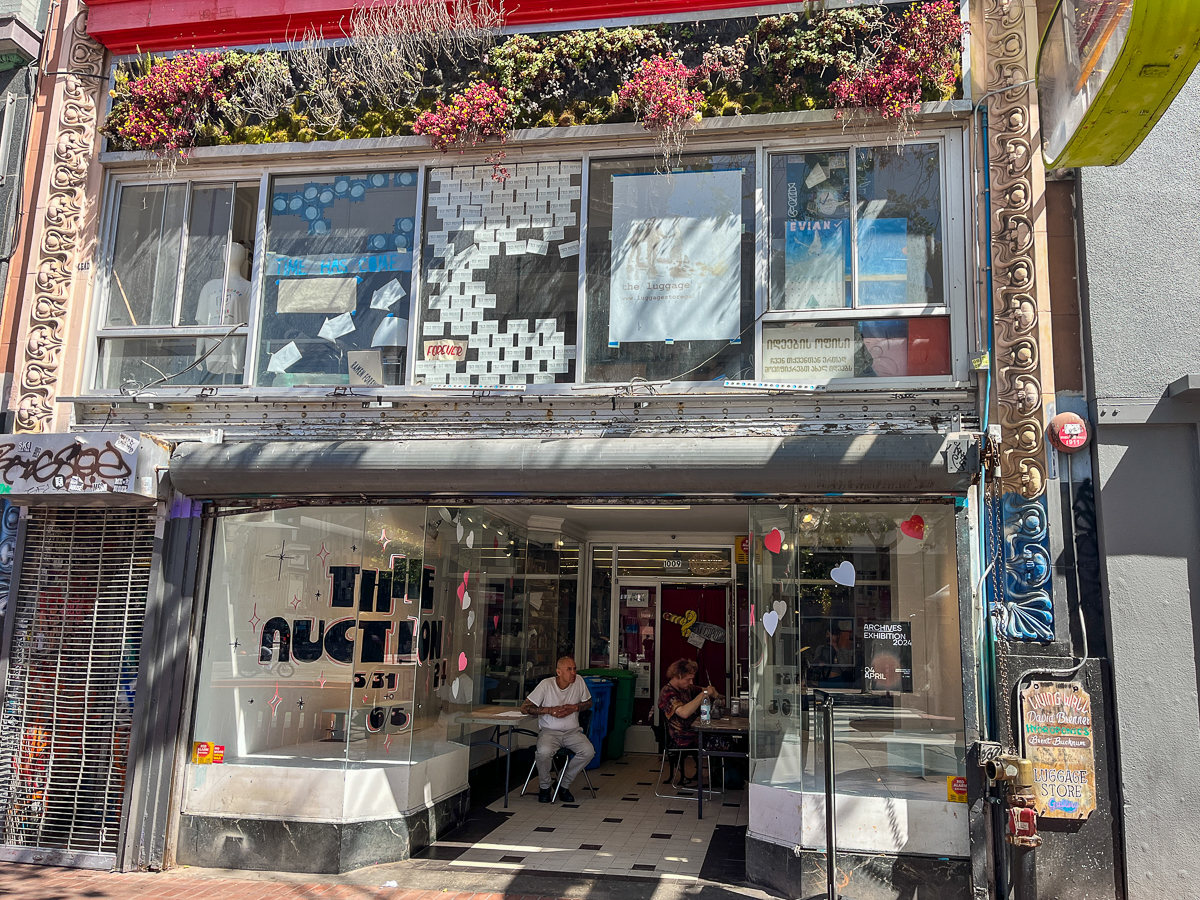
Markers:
<point>386,296</point>
<point>546,326</point>
<point>517,326</point>
<point>541,221</point>
<point>433,329</point>
<point>492,327</point>
<point>284,358</point>
<point>570,193</point>
<point>486,301</point>
<point>337,326</point>
<point>490,354</point>
<point>555,234</point>
<point>472,315</point>
<point>476,367</point>
<point>538,247</point>
<point>515,248</point>
<point>391,332</point>
<point>458,329</point>
<point>570,248</point>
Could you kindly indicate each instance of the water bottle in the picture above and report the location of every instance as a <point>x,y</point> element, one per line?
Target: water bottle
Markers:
<point>705,710</point>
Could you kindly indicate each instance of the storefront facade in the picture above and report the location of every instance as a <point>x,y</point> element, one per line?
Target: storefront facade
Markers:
<point>428,432</point>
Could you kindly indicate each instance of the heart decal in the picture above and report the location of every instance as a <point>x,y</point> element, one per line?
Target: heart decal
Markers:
<point>463,596</point>
<point>843,574</point>
<point>774,541</point>
<point>770,621</point>
<point>914,528</point>
<point>751,615</point>
<point>496,622</point>
<point>459,530</point>
<point>470,619</point>
<point>780,608</point>
<point>471,540</point>
<point>462,661</point>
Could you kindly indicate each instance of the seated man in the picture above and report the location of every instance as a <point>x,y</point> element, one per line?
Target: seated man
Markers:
<point>557,702</point>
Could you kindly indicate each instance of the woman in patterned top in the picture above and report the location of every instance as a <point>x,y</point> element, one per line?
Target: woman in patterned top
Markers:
<point>680,702</point>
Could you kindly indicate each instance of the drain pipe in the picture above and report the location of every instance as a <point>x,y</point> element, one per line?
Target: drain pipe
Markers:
<point>989,509</point>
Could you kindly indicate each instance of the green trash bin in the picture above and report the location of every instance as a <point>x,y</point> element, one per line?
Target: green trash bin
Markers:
<point>621,710</point>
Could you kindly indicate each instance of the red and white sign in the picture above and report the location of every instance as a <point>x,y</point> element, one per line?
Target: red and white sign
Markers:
<point>1068,432</point>
<point>446,350</point>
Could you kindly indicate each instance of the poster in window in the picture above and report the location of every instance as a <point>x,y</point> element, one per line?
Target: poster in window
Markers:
<point>815,264</point>
<point>676,257</point>
<point>882,262</point>
<point>887,656</point>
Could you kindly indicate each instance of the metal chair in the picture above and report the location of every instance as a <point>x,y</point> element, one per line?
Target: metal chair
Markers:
<point>664,740</point>
<point>558,762</point>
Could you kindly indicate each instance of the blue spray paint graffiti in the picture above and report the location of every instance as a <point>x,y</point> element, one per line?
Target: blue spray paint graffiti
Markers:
<point>9,516</point>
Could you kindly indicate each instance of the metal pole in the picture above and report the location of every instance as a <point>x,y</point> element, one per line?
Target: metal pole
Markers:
<point>831,891</point>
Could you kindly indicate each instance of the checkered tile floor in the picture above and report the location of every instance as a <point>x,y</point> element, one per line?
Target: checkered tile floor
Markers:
<point>625,830</point>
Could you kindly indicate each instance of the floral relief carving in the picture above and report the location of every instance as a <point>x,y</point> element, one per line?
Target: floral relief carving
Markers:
<point>58,246</point>
<point>1012,155</point>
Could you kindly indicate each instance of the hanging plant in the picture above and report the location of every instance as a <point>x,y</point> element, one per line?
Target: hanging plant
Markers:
<point>660,95</point>
<point>470,118</point>
<point>177,101</point>
<point>921,55</point>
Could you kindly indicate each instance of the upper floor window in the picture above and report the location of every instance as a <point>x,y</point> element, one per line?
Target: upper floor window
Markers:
<point>337,279</point>
<point>857,275</point>
<point>817,265</point>
<point>177,297</point>
<point>670,269</point>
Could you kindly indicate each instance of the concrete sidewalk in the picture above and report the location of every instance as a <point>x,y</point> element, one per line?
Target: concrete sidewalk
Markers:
<point>388,882</point>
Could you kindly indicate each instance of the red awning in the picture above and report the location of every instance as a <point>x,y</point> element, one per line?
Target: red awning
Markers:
<point>127,26</point>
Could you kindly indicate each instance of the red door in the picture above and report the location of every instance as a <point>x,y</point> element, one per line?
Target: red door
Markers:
<point>692,626</point>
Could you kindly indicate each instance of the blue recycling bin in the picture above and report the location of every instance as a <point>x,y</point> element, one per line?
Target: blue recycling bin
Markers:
<point>602,692</point>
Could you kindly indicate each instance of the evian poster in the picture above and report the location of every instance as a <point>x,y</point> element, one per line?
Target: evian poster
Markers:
<point>676,257</point>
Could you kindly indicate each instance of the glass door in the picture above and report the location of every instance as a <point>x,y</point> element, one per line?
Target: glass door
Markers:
<point>637,636</point>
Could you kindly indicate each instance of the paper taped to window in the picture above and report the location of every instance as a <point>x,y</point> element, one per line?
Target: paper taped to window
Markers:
<point>334,294</point>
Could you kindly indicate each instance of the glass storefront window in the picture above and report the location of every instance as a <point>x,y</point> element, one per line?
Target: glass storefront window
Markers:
<point>501,275</point>
<point>530,596</point>
<point>885,251</point>
<point>670,269</point>
<point>860,601</point>
<point>600,650</point>
<point>164,276</point>
<point>337,279</point>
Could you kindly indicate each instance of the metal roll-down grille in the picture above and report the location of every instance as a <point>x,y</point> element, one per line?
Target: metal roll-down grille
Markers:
<point>79,607</point>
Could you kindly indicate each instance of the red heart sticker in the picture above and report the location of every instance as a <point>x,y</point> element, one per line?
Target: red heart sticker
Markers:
<point>774,541</point>
<point>462,588</point>
<point>914,528</point>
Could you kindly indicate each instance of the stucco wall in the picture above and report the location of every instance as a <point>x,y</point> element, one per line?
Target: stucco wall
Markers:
<point>1140,224</point>
<point>1142,241</point>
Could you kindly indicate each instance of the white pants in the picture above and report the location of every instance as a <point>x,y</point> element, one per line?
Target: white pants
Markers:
<point>548,744</point>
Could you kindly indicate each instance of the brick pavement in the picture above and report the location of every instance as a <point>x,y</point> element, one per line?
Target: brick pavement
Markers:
<point>21,882</point>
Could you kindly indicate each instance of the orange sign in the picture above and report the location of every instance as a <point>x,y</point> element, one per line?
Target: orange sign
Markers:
<point>218,754</point>
<point>956,788</point>
<point>741,554</point>
<point>202,752</point>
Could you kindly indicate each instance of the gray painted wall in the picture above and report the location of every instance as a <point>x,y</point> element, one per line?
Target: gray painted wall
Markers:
<point>1142,237</point>
<point>1140,225</point>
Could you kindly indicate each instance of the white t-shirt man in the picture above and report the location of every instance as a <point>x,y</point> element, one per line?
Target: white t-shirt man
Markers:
<point>549,694</point>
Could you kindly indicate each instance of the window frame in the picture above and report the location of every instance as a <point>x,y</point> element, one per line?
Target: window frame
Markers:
<point>957,237</point>
<point>102,298</point>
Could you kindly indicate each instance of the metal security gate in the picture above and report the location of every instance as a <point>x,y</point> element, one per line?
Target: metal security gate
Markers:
<point>78,612</point>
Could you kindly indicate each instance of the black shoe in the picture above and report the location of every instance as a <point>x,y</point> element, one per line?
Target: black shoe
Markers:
<point>565,796</point>
<point>544,795</point>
